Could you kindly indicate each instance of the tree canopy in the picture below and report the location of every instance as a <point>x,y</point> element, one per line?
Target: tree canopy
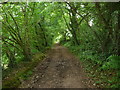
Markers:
<point>92,28</point>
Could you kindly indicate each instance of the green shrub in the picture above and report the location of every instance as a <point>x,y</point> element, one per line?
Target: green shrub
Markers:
<point>113,63</point>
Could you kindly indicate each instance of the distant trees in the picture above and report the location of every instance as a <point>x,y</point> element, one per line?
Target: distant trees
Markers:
<point>74,21</point>
<point>93,28</point>
<point>32,27</point>
<point>20,36</point>
<point>104,29</point>
<point>107,14</point>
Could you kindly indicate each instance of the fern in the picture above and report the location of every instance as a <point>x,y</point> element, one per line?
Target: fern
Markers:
<point>113,62</point>
<point>114,57</point>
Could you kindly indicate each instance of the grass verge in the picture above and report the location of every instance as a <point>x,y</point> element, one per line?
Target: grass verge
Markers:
<point>22,72</point>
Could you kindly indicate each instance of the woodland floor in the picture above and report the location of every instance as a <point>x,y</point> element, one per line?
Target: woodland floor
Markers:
<point>60,69</point>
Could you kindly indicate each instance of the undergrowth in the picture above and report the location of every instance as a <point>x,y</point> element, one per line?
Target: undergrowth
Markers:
<point>103,69</point>
<point>22,72</point>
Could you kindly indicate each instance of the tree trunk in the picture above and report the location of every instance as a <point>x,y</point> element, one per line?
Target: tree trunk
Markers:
<point>118,35</point>
<point>27,53</point>
<point>44,36</point>
<point>11,58</point>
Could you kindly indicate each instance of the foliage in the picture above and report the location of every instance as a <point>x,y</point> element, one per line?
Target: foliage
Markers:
<point>103,71</point>
<point>90,30</point>
<point>22,73</point>
<point>113,62</point>
<point>99,36</point>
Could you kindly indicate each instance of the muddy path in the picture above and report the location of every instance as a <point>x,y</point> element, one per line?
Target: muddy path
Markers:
<point>59,70</point>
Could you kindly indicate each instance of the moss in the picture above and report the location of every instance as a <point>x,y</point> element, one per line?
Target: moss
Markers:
<point>13,81</point>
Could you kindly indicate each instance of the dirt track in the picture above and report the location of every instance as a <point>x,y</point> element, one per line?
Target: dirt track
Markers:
<point>59,70</point>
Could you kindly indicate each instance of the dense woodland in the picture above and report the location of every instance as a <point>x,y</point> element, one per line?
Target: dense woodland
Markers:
<point>90,30</point>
